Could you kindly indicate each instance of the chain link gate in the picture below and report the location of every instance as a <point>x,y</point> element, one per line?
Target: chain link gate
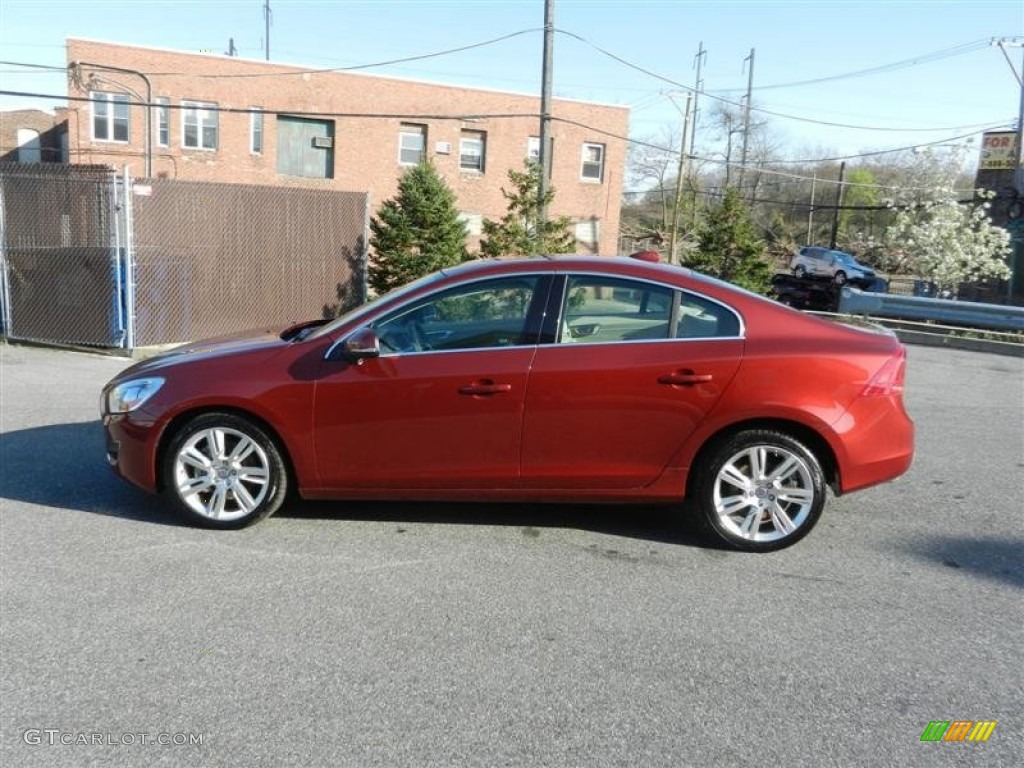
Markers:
<point>62,255</point>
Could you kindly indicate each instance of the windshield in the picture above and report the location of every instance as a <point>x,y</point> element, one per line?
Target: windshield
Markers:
<point>355,313</point>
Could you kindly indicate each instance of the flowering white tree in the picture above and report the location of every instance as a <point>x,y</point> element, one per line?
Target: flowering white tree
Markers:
<point>949,242</point>
<point>938,238</point>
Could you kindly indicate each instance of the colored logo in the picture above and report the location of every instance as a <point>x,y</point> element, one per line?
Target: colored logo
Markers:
<point>958,730</point>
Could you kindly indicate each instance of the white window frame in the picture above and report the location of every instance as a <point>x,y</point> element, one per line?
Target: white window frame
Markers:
<point>108,101</point>
<point>199,108</point>
<point>476,143</point>
<point>419,131</point>
<point>474,223</point>
<point>162,124</point>
<point>533,149</point>
<point>30,146</point>
<point>588,234</point>
<point>584,162</point>
<point>256,124</point>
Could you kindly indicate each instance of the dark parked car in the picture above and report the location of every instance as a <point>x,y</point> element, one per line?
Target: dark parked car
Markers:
<point>555,379</point>
<point>805,292</point>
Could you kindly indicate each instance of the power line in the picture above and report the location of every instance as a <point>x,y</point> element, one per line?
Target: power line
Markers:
<point>352,68</point>
<point>762,110</point>
<point>32,66</point>
<point>461,116</point>
<point>926,58</point>
<point>298,113</point>
<point>719,161</point>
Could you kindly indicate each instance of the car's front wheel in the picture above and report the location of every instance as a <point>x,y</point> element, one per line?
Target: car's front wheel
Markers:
<point>760,490</point>
<point>839,277</point>
<point>223,471</point>
<point>800,271</point>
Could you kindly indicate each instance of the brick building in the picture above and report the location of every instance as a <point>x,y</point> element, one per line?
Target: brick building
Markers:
<point>344,131</point>
<point>33,136</point>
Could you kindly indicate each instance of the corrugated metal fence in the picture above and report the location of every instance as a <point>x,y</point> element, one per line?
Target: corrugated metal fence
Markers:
<point>90,257</point>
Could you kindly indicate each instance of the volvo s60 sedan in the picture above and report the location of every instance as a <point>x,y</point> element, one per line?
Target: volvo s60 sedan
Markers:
<point>548,379</point>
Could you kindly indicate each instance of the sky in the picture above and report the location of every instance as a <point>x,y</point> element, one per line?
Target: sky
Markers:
<point>899,73</point>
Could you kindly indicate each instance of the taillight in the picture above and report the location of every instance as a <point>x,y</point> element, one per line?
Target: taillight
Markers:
<point>888,380</point>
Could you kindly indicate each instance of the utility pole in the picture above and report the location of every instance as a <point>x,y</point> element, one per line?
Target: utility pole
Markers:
<point>545,110</point>
<point>679,181</point>
<point>746,115</point>
<point>1018,169</point>
<point>839,203</point>
<point>698,89</point>
<point>1016,259</point>
<point>810,211</point>
<point>266,21</point>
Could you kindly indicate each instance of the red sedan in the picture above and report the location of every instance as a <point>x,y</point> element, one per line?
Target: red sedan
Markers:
<point>554,379</point>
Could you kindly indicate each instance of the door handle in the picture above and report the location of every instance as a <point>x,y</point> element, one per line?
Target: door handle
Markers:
<point>484,387</point>
<point>685,378</point>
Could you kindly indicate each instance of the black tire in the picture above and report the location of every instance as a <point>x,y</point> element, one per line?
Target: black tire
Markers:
<point>244,478</point>
<point>800,271</point>
<point>839,278</point>
<point>756,518</point>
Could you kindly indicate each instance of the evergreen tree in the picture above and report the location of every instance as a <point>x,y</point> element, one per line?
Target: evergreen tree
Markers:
<point>729,249</point>
<point>416,232</point>
<point>520,231</point>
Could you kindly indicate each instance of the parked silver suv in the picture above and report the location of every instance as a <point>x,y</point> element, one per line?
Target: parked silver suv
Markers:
<point>816,261</point>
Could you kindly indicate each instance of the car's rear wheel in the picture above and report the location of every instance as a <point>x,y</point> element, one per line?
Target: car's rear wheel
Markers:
<point>760,490</point>
<point>839,277</point>
<point>800,271</point>
<point>223,471</point>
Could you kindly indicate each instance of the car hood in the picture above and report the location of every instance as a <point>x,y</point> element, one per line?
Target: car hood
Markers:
<point>235,344</point>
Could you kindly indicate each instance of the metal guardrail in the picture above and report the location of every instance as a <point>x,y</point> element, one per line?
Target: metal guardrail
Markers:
<point>963,314</point>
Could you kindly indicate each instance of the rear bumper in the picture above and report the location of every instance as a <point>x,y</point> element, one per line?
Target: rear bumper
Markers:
<point>878,442</point>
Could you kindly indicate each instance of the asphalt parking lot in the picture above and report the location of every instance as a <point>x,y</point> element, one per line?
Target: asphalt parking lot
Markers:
<point>472,635</point>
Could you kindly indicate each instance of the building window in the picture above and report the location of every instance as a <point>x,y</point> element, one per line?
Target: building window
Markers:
<point>588,234</point>
<point>256,131</point>
<point>305,147</point>
<point>474,223</point>
<point>412,143</point>
<point>533,152</point>
<point>109,116</point>
<point>30,149</point>
<point>163,112</point>
<point>472,151</point>
<point>592,168</point>
<point>198,125</point>
<point>533,149</point>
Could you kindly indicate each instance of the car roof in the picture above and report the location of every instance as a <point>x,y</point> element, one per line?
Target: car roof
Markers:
<point>619,265</point>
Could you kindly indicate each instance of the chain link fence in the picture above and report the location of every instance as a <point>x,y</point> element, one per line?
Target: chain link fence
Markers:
<point>62,262</point>
<point>88,257</point>
<point>211,259</point>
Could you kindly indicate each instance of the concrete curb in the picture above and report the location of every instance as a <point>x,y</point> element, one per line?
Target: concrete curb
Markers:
<point>959,342</point>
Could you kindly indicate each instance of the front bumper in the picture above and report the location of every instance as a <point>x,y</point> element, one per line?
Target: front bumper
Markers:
<point>131,449</point>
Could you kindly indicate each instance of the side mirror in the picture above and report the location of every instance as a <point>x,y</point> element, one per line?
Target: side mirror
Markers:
<point>359,346</point>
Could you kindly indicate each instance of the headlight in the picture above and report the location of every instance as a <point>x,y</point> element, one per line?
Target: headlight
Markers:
<point>129,395</point>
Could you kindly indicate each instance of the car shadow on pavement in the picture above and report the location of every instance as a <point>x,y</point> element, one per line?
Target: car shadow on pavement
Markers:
<point>997,559</point>
<point>63,466</point>
<point>661,524</point>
